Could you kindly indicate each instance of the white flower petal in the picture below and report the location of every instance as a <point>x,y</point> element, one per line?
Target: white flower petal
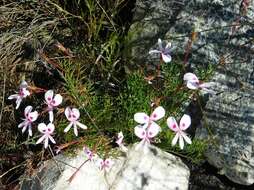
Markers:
<point>68,127</point>
<point>51,116</point>
<point>24,128</point>
<point>140,132</point>
<point>141,117</point>
<point>46,142</point>
<point>18,102</point>
<point>207,84</point>
<point>168,46</point>
<point>27,110</point>
<point>160,44</point>
<point>81,125</point>
<point>154,51</point>
<point>51,139</point>
<point>23,84</point>
<point>181,142</point>
<point>40,139</point>
<point>75,129</point>
<point>30,132</point>
<point>49,96</point>
<point>175,139</point>
<point>42,127</point>
<point>192,85</point>
<point>25,92</point>
<point>14,96</point>
<point>172,124</point>
<point>158,113</point>
<point>50,128</point>
<point>185,122</point>
<point>57,100</point>
<point>153,130</point>
<point>33,116</point>
<point>186,138</point>
<point>166,58</point>
<point>24,123</point>
<point>67,113</point>
<point>191,77</point>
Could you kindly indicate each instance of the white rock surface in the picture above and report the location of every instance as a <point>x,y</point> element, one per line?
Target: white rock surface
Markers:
<point>155,170</point>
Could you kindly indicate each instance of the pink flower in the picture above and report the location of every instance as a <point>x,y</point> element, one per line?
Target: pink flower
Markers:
<point>185,122</point>
<point>73,115</point>
<point>119,141</point>
<point>90,154</point>
<point>47,131</point>
<point>30,117</point>
<point>163,51</point>
<point>23,93</point>
<point>105,164</point>
<point>193,83</point>
<point>52,102</point>
<point>145,120</point>
<point>146,134</point>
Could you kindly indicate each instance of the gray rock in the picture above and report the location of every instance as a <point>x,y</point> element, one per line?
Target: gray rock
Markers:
<point>229,115</point>
<point>137,170</point>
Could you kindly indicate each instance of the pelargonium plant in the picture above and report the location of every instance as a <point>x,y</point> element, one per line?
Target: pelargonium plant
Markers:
<point>47,131</point>
<point>163,51</point>
<point>22,93</point>
<point>30,117</point>
<point>73,116</point>
<point>52,102</point>
<point>180,135</point>
<point>194,83</point>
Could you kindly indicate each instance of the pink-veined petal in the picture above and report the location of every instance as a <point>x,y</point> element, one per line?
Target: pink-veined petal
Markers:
<point>153,130</point>
<point>166,58</point>
<point>181,142</point>
<point>140,132</point>
<point>68,113</point>
<point>108,162</point>
<point>75,129</point>
<point>141,117</point>
<point>27,110</point>
<point>33,116</point>
<point>51,116</point>
<point>185,122</point>
<point>25,92</point>
<point>49,96</point>
<point>192,85</point>
<point>172,124</point>
<point>76,113</point>
<point>40,139</point>
<point>51,139</point>
<point>57,100</point>
<point>68,127</point>
<point>46,142</point>
<point>50,128</point>
<point>154,51</point>
<point>81,125</point>
<point>175,139</point>
<point>42,127</point>
<point>190,77</point>
<point>186,138</point>
<point>14,96</point>
<point>100,163</point>
<point>158,113</point>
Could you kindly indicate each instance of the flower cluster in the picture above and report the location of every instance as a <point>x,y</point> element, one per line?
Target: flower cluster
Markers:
<point>52,101</point>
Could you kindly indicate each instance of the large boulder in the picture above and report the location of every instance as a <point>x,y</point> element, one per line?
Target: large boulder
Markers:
<point>224,38</point>
<point>151,170</point>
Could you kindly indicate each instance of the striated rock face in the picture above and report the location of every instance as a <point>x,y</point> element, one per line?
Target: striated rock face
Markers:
<point>153,170</point>
<point>224,38</point>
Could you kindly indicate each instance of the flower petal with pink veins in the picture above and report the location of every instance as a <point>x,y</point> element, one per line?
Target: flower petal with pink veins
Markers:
<point>185,122</point>
<point>141,117</point>
<point>158,113</point>
<point>172,124</point>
